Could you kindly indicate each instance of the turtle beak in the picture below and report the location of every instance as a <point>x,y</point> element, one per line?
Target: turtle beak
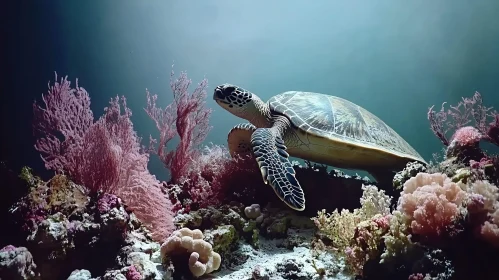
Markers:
<point>219,95</point>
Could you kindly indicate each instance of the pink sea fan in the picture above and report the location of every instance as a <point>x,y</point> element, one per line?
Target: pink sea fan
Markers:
<point>144,196</point>
<point>61,123</point>
<point>103,156</point>
<point>206,184</point>
<point>432,202</point>
<point>186,117</point>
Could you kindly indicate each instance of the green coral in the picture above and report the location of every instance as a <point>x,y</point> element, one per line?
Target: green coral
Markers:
<point>222,238</point>
<point>462,175</point>
<point>251,228</point>
<point>278,227</point>
<point>255,238</point>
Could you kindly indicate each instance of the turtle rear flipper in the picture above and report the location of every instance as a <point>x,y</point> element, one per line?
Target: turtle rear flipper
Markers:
<point>277,171</point>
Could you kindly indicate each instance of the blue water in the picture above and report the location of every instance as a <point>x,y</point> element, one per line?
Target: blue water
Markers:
<point>394,58</point>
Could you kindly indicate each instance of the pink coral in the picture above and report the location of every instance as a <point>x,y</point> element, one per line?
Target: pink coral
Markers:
<point>106,202</point>
<point>480,164</point>
<point>416,276</point>
<point>133,274</point>
<point>489,231</point>
<point>465,112</point>
<point>432,202</point>
<point>186,117</point>
<point>467,136</point>
<point>104,155</point>
<point>63,122</point>
<point>8,248</point>
<point>215,177</point>
<point>366,242</point>
<point>206,185</point>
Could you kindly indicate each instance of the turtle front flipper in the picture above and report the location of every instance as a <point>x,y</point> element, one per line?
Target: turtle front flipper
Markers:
<point>239,139</point>
<point>277,171</point>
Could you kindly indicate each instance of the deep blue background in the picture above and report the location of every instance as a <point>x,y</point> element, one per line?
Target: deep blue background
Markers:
<point>395,58</point>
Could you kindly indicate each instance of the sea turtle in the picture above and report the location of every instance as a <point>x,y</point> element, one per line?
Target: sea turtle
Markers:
<point>313,126</point>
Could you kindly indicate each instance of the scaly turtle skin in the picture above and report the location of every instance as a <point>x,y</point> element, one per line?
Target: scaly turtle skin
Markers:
<point>312,126</point>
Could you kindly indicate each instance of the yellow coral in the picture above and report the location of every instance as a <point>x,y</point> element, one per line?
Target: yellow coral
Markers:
<point>340,226</point>
<point>398,240</point>
<point>202,260</point>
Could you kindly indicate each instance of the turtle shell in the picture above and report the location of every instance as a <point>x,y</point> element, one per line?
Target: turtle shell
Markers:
<point>338,119</point>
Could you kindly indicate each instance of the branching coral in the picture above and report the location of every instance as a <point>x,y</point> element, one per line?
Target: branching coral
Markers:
<point>186,117</point>
<point>215,177</point>
<point>205,182</point>
<point>461,115</point>
<point>63,120</point>
<point>470,122</point>
<point>358,234</point>
<point>340,226</point>
<point>201,257</point>
<point>196,175</point>
<point>398,240</point>
<point>365,244</point>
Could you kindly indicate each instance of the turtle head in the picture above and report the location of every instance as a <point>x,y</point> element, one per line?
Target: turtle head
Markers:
<point>232,97</point>
<point>236,100</point>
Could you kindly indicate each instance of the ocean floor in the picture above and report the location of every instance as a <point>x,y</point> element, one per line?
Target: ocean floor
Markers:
<point>271,261</point>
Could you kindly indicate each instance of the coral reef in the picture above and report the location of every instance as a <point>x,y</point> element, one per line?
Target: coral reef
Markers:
<point>62,228</point>
<point>104,216</point>
<point>17,263</point>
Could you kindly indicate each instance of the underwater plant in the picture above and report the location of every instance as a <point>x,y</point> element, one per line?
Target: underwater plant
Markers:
<point>103,156</point>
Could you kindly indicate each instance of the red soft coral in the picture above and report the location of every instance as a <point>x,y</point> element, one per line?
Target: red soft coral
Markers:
<point>432,202</point>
